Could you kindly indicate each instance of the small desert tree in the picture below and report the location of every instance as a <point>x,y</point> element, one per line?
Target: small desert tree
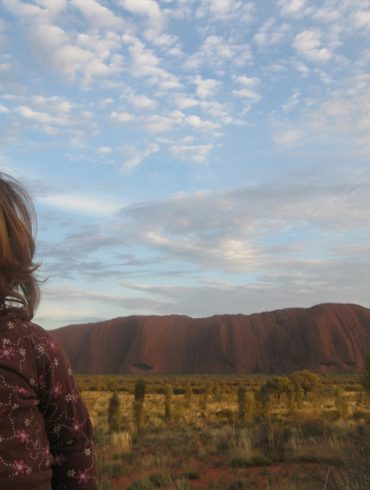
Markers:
<point>203,401</point>
<point>366,376</point>
<point>140,389</point>
<point>242,404</point>
<point>264,401</point>
<point>251,405</point>
<point>292,402</point>
<point>168,394</point>
<point>217,390</point>
<point>276,386</point>
<point>307,380</point>
<point>114,413</point>
<point>188,394</point>
<point>341,402</point>
<point>139,397</point>
<point>298,391</point>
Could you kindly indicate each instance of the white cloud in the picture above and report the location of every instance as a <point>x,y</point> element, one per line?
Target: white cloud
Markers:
<point>198,123</point>
<point>247,88</point>
<point>3,109</point>
<point>103,45</point>
<point>169,82</point>
<point>51,35</point>
<point>248,82</point>
<point>75,55</point>
<point>45,9</point>
<point>301,68</point>
<point>145,63</point>
<point>184,101</point>
<point>226,10</point>
<point>158,123</point>
<point>215,51</point>
<point>104,150</point>
<point>54,8</point>
<point>361,19</point>
<point>230,254</point>
<point>84,57</point>
<point>140,101</point>
<point>253,214</point>
<point>289,137</point>
<point>40,117</point>
<point>292,7</point>
<point>271,33</point>
<point>164,41</point>
<point>97,14</point>
<point>246,93</point>
<point>122,117</point>
<point>195,153</point>
<point>135,156</point>
<point>239,221</point>
<point>106,102</point>
<point>220,7</point>
<point>234,250</point>
<point>5,68</point>
<point>218,111</point>
<point>308,43</point>
<point>80,204</point>
<point>205,87</point>
<point>292,102</point>
<point>345,112</point>
<point>49,121</point>
<point>146,8</point>
<point>340,118</point>
<point>327,14</point>
<point>54,103</point>
<point>54,115</point>
<point>54,312</point>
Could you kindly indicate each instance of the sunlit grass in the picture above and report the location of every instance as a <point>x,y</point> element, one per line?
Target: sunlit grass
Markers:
<point>204,434</point>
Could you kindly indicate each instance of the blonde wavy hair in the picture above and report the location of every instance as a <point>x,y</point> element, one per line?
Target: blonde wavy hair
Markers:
<point>19,288</point>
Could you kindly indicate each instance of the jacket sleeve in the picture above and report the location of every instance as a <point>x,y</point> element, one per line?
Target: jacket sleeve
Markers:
<point>67,421</point>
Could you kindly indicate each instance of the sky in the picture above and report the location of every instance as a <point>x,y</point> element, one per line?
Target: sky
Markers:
<point>193,157</point>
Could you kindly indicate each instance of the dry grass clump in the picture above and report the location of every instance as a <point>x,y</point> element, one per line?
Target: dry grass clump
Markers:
<point>121,441</point>
<point>354,473</point>
<point>154,461</point>
<point>112,452</point>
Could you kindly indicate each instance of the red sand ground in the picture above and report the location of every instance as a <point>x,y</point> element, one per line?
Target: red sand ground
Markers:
<point>276,476</point>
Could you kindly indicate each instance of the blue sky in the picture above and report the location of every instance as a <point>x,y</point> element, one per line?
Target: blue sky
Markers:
<point>191,157</point>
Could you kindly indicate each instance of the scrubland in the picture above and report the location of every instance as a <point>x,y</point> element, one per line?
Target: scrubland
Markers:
<point>298,432</point>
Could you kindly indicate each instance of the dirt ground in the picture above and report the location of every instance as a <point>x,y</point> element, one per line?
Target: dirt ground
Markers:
<point>215,474</point>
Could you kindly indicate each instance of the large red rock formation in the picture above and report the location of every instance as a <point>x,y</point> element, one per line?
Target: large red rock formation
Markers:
<point>324,338</point>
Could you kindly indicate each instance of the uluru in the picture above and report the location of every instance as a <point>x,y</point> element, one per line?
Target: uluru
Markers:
<point>326,338</point>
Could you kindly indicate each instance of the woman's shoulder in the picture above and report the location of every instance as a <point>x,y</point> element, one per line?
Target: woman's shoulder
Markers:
<point>25,339</point>
<point>15,324</point>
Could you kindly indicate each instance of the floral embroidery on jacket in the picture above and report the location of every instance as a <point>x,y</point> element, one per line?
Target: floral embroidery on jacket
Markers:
<point>44,425</point>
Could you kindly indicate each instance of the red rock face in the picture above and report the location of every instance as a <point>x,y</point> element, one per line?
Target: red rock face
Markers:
<point>325,338</point>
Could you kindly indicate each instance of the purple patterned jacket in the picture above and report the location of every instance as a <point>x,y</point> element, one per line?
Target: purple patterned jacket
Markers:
<point>45,430</point>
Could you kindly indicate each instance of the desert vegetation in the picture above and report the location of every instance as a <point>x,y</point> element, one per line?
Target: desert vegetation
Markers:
<point>300,431</point>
